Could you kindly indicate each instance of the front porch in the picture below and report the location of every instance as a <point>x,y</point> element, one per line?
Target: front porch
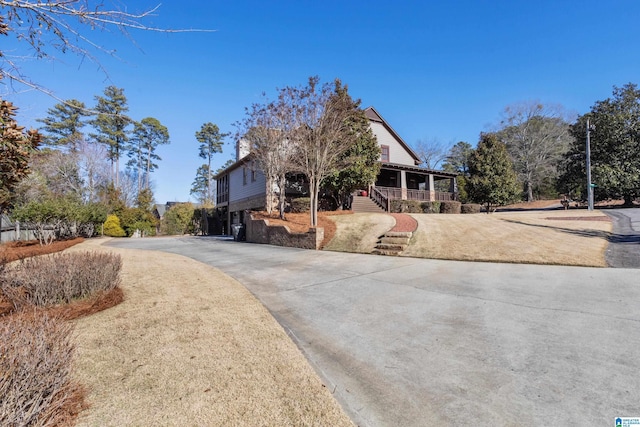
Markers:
<point>401,182</point>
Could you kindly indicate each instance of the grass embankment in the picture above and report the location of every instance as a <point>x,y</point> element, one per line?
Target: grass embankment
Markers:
<point>191,346</point>
<point>573,237</point>
<point>359,232</point>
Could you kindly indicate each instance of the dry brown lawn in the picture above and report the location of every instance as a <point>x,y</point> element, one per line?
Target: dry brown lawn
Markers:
<point>573,237</point>
<point>359,232</point>
<point>191,346</point>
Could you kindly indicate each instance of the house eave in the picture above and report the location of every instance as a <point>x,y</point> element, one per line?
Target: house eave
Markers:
<point>236,165</point>
<point>381,120</point>
<point>397,166</point>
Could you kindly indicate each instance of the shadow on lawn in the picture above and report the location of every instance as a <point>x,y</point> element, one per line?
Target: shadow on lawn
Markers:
<point>610,237</point>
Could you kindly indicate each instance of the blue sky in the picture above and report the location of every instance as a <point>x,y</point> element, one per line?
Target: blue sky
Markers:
<point>434,70</point>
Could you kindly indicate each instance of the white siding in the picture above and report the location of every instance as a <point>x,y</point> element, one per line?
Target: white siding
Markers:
<point>239,191</point>
<point>397,153</point>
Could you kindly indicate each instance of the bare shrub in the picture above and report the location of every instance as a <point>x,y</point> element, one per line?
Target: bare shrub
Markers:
<point>35,371</point>
<point>60,278</point>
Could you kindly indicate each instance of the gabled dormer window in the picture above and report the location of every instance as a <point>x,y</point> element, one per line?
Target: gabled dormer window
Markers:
<point>384,153</point>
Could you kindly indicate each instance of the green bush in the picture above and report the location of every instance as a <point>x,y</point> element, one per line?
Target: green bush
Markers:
<point>450,207</point>
<point>112,227</point>
<point>471,208</point>
<point>300,204</point>
<point>179,220</point>
<point>405,206</point>
<point>430,207</point>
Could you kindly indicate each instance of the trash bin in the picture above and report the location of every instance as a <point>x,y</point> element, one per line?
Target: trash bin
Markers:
<point>238,232</point>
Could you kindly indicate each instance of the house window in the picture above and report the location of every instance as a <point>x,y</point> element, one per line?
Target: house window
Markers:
<point>244,175</point>
<point>253,171</point>
<point>384,156</point>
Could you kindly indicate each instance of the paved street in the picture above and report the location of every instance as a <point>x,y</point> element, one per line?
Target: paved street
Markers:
<point>415,342</point>
<point>624,245</point>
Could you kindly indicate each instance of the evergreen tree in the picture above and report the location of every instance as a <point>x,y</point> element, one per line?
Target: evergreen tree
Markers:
<point>63,124</point>
<point>16,147</point>
<point>200,185</point>
<point>615,148</point>
<point>362,161</point>
<point>457,160</point>
<point>111,124</point>
<point>147,135</point>
<point>211,141</point>
<point>493,181</point>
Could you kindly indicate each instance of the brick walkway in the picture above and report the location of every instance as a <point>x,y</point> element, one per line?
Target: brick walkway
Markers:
<point>404,223</point>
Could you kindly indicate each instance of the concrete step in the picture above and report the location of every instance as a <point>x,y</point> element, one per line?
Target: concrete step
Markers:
<point>365,204</point>
<point>391,247</point>
<point>385,252</point>
<point>404,234</point>
<point>395,240</point>
<point>392,243</point>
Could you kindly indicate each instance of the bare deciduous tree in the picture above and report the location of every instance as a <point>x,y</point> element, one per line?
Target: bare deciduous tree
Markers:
<point>431,152</point>
<point>268,130</point>
<point>537,137</point>
<point>47,27</point>
<point>323,115</point>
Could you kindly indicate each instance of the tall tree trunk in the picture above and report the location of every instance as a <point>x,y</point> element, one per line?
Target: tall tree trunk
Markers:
<point>269,193</point>
<point>117,171</point>
<point>313,194</point>
<point>529,191</point>
<point>147,171</point>
<point>209,195</point>
<point>282,196</point>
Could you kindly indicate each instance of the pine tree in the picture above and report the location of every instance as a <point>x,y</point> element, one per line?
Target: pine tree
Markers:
<point>147,135</point>
<point>63,124</point>
<point>493,181</point>
<point>211,140</point>
<point>111,124</point>
<point>200,185</point>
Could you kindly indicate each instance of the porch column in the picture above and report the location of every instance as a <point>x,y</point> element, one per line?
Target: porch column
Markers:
<point>453,185</point>
<point>403,184</point>
<point>431,188</point>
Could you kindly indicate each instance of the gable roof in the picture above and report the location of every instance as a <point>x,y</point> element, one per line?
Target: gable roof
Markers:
<point>374,116</point>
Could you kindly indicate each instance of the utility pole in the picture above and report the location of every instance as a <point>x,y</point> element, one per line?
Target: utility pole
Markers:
<point>589,185</point>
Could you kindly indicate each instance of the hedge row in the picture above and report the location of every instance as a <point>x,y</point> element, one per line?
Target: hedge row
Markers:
<point>444,207</point>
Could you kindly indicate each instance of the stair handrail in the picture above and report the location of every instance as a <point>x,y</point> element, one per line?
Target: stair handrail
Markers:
<point>379,198</point>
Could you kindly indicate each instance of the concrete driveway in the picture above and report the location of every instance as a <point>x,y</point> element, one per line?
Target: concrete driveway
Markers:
<point>415,342</point>
<point>624,244</point>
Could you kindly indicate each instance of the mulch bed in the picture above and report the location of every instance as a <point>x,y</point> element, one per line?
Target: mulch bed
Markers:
<point>14,251</point>
<point>580,218</point>
<point>300,222</point>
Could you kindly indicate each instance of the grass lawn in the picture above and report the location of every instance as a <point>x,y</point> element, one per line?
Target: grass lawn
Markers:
<point>358,232</point>
<point>191,346</point>
<point>573,237</point>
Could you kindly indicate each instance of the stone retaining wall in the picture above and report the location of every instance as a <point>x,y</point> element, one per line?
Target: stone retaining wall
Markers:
<point>259,231</point>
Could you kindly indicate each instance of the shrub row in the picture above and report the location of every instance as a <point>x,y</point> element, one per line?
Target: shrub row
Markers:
<point>59,278</point>
<point>471,208</point>
<point>36,388</point>
<point>444,207</point>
